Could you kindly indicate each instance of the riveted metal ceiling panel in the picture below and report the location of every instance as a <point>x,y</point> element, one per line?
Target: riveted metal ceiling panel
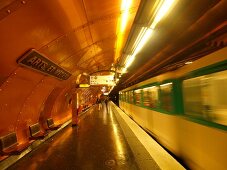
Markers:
<point>78,35</point>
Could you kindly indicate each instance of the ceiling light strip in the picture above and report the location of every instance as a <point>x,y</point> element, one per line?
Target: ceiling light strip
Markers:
<point>146,32</point>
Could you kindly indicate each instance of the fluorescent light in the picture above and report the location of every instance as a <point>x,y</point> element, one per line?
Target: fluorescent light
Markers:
<point>146,32</point>
<point>166,6</point>
<point>147,88</point>
<point>84,85</point>
<point>166,84</point>
<point>138,91</point>
<point>139,37</point>
<point>124,70</point>
<point>188,62</point>
<point>129,61</point>
<point>126,4</point>
<point>121,26</point>
<point>143,41</point>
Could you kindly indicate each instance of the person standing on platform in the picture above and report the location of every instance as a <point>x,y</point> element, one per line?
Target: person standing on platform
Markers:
<point>98,101</point>
<point>106,102</point>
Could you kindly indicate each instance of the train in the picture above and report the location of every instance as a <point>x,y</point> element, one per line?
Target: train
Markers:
<point>185,110</point>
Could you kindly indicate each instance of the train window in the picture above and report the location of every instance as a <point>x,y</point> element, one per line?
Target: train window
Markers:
<point>205,97</point>
<point>120,96</point>
<point>138,96</point>
<point>150,96</point>
<point>126,96</point>
<point>131,97</point>
<point>167,96</point>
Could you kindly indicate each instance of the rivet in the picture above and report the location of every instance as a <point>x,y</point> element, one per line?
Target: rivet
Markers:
<point>23,2</point>
<point>8,11</point>
<point>15,73</point>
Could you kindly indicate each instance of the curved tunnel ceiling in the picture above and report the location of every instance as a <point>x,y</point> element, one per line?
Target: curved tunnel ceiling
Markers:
<point>78,35</point>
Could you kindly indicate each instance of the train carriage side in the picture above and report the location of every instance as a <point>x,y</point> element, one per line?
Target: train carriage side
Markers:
<point>185,110</point>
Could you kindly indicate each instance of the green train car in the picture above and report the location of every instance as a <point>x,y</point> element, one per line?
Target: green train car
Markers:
<point>185,110</point>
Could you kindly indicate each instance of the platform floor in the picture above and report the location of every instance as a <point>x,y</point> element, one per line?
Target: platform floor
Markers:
<point>103,140</point>
<point>97,143</point>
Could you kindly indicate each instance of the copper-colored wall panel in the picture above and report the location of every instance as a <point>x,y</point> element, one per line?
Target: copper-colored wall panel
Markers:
<point>34,29</point>
<point>66,46</point>
<point>78,35</point>
<point>73,12</point>
<point>108,44</point>
<point>72,61</point>
<point>97,9</point>
<point>102,30</point>
<point>45,111</point>
<point>88,36</point>
<point>30,111</point>
<point>24,29</point>
<point>14,92</point>
<point>62,110</point>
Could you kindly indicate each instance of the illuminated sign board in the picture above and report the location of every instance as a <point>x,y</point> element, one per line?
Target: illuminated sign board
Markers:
<point>102,80</point>
<point>84,85</point>
<point>36,61</point>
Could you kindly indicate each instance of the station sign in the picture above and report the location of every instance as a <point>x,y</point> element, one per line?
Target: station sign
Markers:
<point>36,61</point>
<point>102,80</point>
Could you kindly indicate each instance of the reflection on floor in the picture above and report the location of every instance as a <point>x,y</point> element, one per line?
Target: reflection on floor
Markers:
<point>97,143</point>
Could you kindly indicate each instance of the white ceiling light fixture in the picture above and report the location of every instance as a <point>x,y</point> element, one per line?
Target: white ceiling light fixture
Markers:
<point>163,10</point>
<point>188,62</point>
<point>146,32</point>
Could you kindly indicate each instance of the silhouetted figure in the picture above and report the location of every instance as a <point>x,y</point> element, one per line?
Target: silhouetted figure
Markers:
<point>106,102</point>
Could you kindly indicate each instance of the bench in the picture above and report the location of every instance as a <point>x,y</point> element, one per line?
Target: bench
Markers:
<point>51,125</point>
<point>9,144</point>
<point>35,132</point>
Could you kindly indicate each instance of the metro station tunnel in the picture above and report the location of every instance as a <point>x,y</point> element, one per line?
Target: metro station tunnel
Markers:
<point>113,84</point>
